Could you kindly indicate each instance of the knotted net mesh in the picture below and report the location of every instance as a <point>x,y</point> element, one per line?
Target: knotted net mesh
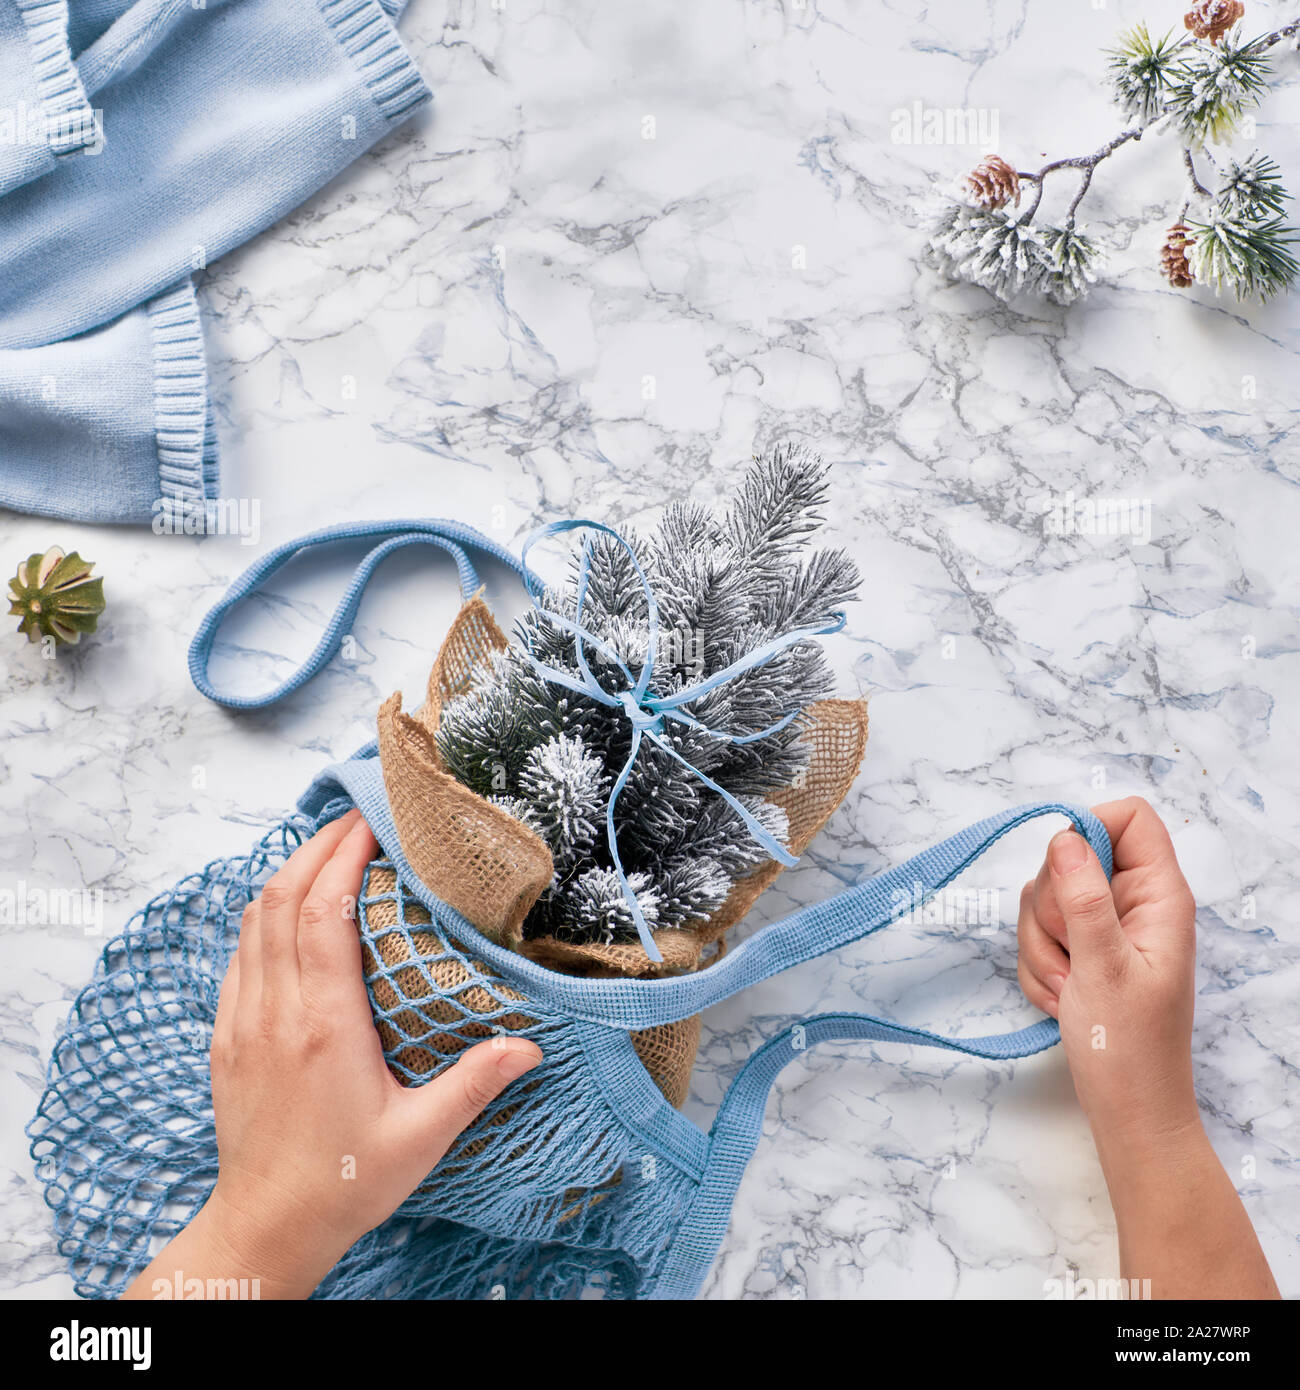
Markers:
<point>547,1194</point>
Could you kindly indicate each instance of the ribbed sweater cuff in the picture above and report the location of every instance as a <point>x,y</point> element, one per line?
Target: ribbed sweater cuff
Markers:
<point>186,438</point>
<point>69,119</point>
<point>367,36</point>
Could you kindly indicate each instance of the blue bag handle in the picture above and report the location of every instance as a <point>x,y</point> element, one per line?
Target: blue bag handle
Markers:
<point>452,536</point>
<point>738,1124</point>
<point>810,931</point>
<point>860,911</point>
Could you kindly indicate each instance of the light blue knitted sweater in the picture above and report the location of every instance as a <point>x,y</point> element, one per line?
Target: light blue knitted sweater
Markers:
<point>138,143</point>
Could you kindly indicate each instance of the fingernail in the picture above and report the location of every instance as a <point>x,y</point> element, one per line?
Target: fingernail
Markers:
<point>515,1061</point>
<point>1068,852</point>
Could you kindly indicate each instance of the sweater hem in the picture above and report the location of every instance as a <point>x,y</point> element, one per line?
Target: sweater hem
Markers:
<point>70,123</point>
<point>366,34</point>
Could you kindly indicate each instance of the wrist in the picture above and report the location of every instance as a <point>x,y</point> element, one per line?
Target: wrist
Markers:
<point>285,1251</point>
<point>1143,1161</point>
<point>1143,1115</point>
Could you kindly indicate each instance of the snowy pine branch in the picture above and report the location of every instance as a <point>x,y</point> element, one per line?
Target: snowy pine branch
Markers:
<point>724,586</point>
<point>1199,87</point>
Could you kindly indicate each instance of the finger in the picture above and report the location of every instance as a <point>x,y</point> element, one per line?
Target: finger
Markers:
<point>1138,835</point>
<point>1145,859</point>
<point>1037,993</point>
<point>1047,910</point>
<point>1040,953</point>
<point>329,949</point>
<point>249,954</point>
<point>1097,941</point>
<point>275,936</point>
<point>1152,895</point>
<point>223,1026</point>
<point>454,1099</point>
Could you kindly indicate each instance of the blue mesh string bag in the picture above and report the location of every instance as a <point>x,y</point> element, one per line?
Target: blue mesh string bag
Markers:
<point>580,1179</point>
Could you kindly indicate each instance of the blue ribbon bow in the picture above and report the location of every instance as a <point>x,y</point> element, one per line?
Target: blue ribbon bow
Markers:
<point>647,713</point>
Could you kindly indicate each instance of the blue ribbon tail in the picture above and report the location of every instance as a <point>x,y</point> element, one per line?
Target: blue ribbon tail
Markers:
<point>611,835</point>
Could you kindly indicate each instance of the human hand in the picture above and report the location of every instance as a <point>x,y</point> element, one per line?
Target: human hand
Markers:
<point>1114,963</point>
<point>317,1141</point>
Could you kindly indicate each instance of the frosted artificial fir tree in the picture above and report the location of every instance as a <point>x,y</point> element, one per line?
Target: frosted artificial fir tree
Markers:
<point>724,585</point>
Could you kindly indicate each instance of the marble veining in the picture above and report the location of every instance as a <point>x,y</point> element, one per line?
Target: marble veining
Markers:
<point>627,246</point>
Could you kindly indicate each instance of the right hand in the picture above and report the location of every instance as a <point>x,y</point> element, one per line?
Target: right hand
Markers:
<point>1114,963</point>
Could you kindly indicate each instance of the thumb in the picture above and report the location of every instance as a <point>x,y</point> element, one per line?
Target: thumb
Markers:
<point>455,1098</point>
<point>1093,931</point>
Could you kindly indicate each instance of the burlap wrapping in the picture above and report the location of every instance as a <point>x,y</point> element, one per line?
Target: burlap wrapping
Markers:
<point>492,868</point>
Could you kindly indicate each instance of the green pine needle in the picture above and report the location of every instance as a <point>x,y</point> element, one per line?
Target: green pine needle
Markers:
<point>1248,258</point>
<point>1213,87</point>
<point>1253,190</point>
<point>1141,72</point>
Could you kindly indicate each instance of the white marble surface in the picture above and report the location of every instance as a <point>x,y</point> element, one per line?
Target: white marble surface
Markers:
<point>499,279</point>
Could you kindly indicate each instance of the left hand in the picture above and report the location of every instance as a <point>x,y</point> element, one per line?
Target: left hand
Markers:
<point>318,1142</point>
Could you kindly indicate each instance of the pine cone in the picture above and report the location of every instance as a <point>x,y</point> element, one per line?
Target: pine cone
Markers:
<point>1173,257</point>
<point>993,183</point>
<point>1211,19</point>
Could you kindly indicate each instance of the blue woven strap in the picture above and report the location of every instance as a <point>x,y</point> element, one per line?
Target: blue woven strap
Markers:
<point>452,536</point>
<point>809,932</point>
<point>738,1124</point>
<point>739,1121</point>
<point>849,916</point>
